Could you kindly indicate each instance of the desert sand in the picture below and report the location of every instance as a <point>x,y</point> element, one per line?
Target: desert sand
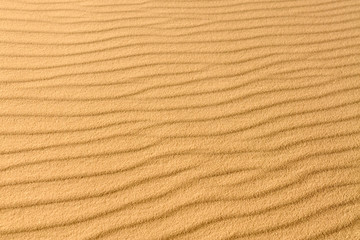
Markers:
<point>179,119</point>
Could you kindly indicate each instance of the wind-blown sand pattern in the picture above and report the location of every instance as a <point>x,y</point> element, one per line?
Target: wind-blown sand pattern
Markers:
<point>179,119</point>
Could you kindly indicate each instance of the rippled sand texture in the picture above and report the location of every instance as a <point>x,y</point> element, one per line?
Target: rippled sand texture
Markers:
<point>179,119</point>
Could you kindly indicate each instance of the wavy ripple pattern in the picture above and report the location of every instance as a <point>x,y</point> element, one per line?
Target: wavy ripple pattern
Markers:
<point>179,119</point>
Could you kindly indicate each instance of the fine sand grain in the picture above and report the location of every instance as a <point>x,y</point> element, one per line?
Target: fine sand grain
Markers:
<point>180,119</point>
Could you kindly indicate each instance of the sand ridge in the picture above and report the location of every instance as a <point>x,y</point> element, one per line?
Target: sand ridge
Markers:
<point>187,119</point>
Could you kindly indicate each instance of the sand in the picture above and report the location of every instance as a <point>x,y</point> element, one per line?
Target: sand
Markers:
<point>179,119</point>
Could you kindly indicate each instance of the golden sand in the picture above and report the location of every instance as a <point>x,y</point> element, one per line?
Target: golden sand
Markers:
<point>179,119</point>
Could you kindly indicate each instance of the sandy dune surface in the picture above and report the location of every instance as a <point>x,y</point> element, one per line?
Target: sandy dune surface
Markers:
<point>179,119</point>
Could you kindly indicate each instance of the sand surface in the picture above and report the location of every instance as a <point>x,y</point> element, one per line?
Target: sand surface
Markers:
<point>179,119</point>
